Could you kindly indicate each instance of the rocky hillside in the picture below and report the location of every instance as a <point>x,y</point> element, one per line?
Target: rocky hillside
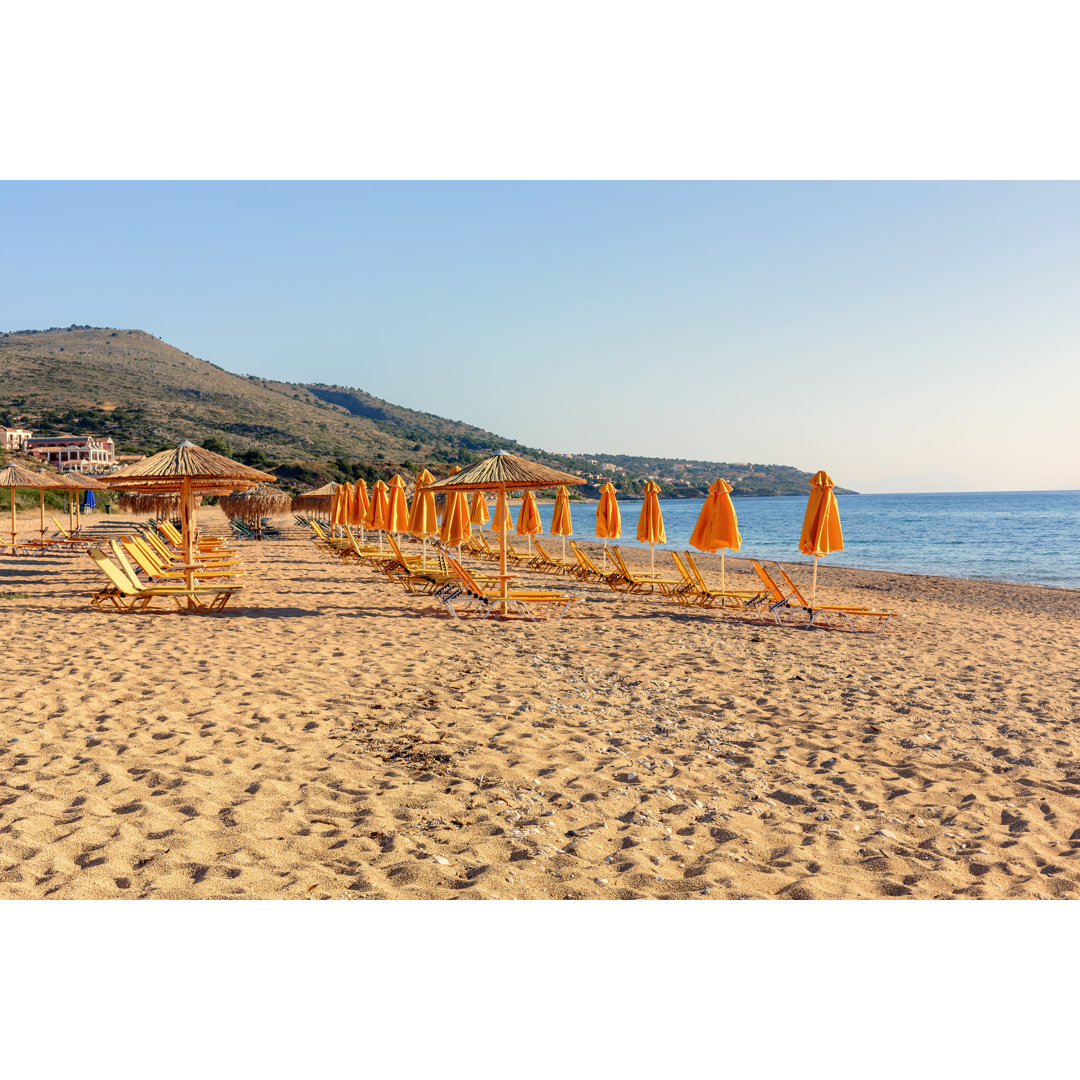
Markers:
<point>147,395</point>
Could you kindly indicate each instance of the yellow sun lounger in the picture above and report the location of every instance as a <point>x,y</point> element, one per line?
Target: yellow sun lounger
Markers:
<point>547,563</point>
<point>471,593</point>
<point>587,569</point>
<point>152,567</point>
<point>830,615</point>
<point>736,598</point>
<point>632,582</point>
<point>126,593</point>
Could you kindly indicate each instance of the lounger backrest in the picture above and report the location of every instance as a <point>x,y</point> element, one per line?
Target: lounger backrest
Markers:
<point>395,548</point>
<point>683,572</point>
<point>616,554</point>
<point>63,532</point>
<point>465,577</point>
<point>773,589</point>
<point>544,556</point>
<point>791,585</point>
<point>142,556</point>
<point>113,573</point>
<point>122,559</point>
<point>584,561</point>
<point>157,546</point>
<point>699,580</point>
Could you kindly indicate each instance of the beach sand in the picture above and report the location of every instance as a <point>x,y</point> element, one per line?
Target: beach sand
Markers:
<point>335,737</point>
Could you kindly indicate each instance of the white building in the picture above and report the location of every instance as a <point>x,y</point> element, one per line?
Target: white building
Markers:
<point>13,438</point>
<point>74,453</point>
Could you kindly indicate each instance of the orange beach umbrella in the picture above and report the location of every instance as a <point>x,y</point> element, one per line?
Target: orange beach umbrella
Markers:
<point>423,521</point>
<point>528,522</point>
<point>560,517</point>
<point>397,514</point>
<point>608,518</point>
<point>478,511</point>
<point>456,525</point>
<point>501,521</point>
<point>717,527</point>
<point>650,526</point>
<point>821,532</point>
<point>378,509</point>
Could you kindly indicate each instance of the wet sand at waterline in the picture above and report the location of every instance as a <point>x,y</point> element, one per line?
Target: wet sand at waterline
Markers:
<point>334,737</point>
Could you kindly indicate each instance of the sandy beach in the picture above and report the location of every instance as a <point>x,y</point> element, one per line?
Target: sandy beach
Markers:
<point>332,736</point>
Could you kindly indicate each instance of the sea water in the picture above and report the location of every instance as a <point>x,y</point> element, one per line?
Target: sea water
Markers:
<point>1032,537</point>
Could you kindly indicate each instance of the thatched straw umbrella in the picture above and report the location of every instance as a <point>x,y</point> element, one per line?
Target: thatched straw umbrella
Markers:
<point>316,501</point>
<point>504,472</point>
<point>162,507</point>
<point>74,482</point>
<point>255,503</point>
<point>189,470</point>
<point>15,476</point>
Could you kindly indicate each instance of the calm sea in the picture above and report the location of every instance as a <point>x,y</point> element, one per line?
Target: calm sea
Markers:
<point>1024,536</point>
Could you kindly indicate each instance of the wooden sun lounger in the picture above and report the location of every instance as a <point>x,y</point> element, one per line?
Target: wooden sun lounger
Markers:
<point>156,571</point>
<point>167,556</point>
<point>470,593</point>
<point>126,593</point>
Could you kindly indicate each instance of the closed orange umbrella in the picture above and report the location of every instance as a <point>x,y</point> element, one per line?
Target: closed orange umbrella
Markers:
<point>717,527</point>
<point>501,521</point>
<point>378,509</point>
<point>650,526</point>
<point>560,517</point>
<point>423,521</point>
<point>456,525</point>
<point>339,505</point>
<point>478,512</point>
<point>397,515</point>
<point>359,506</point>
<point>821,531</point>
<point>608,518</point>
<point>528,522</point>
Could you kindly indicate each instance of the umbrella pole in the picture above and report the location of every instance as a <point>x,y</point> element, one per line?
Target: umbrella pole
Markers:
<point>813,587</point>
<point>723,587</point>
<point>605,552</point>
<point>187,512</point>
<point>71,512</point>
<point>42,493</point>
<point>78,515</point>
<point>652,559</point>
<point>424,542</point>
<point>14,549</point>
<point>564,548</point>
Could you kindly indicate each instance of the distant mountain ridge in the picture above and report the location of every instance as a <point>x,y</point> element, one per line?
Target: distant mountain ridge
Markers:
<point>147,394</point>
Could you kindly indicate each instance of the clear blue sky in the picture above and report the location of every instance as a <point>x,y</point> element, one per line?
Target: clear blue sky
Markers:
<point>904,336</point>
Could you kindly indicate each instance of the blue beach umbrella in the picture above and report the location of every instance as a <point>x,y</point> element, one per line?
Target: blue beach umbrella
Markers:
<point>89,503</point>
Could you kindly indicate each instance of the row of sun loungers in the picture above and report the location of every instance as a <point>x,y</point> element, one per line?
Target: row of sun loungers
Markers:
<point>154,552</point>
<point>461,590</point>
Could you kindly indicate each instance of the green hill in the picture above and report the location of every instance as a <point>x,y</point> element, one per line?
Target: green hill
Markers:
<point>147,395</point>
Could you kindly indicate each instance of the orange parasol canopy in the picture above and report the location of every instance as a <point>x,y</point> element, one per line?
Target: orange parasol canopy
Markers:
<point>378,507</point>
<point>358,505</point>
<point>821,531</point>
<point>560,516</point>
<point>608,518</point>
<point>423,521</point>
<point>650,526</point>
<point>339,505</point>
<point>717,527</point>
<point>528,522</point>
<point>502,522</point>
<point>479,514</point>
<point>397,515</point>
<point>456,524</point>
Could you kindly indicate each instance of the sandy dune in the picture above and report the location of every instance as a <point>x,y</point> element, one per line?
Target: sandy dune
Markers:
<point>333,736</point>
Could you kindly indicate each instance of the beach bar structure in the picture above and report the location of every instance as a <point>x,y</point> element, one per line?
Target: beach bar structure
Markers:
<point>77,453</point>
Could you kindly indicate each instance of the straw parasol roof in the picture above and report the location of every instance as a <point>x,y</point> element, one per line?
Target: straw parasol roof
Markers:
<point>255,503</point>
<point>318,499</point>
<point>507,471</point>
<point>165,506</point>
<point>15,476</point>
<point>193,466</point>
